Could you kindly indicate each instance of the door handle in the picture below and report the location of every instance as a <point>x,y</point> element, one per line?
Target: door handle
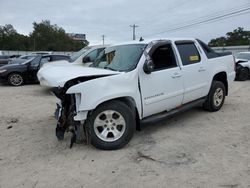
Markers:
<point>176,75</point>
<point>201,69</point>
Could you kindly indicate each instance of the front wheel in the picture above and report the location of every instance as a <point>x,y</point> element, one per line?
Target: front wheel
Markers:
<point>15,79</point>
<point>216,97</point>
<point>111,125</point>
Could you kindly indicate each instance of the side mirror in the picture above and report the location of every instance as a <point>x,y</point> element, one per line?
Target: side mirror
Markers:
<point>148,66</point>
<point>86,60</point>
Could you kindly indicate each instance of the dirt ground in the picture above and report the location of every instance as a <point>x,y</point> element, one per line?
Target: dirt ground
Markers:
<point>194,149</point>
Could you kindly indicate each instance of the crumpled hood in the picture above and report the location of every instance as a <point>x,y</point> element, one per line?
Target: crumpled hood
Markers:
<point>54,76</point>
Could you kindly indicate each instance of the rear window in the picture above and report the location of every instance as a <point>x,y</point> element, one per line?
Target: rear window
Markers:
<point>210,53</point>
<point>189,53</point>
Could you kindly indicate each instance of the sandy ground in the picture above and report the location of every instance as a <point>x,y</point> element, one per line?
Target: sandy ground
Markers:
<point>193,149</point>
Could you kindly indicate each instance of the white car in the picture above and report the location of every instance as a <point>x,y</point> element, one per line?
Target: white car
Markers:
<point>82,58</point>
<point>138,82</point>
<point>243,66</point>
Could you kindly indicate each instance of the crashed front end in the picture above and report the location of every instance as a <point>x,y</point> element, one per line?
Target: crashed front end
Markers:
<point>65,112</point>
<point>69,117</point>
<point>66,115</point>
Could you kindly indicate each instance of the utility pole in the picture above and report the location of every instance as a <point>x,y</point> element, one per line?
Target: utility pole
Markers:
<point>103,39</point>
<point>34,44</point>
<point>134,26</point>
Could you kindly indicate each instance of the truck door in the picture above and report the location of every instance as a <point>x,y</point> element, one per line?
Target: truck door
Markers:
<point>194,71</point>
<point>162,89</point>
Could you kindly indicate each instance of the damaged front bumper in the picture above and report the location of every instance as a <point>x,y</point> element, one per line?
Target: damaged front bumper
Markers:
<point>69,119</point>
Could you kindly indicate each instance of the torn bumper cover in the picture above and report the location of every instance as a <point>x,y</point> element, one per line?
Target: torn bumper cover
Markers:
<point>68,120</point>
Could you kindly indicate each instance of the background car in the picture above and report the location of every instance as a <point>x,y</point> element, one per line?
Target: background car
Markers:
<point>22,58</point>
<point>87,55</point>
<point>4,59</point>
<point>17,74</point>
<point>243,66</point>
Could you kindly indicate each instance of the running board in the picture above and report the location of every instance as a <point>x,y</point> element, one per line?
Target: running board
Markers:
<point>168,114</point>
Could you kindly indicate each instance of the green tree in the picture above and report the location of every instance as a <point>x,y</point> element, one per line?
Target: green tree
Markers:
<point>44,37</point>
<point>237,37</point>
<point>11,40</point>
<point>53,38</point>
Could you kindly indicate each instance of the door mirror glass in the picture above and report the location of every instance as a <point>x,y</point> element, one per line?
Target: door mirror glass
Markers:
<point>148,66</point>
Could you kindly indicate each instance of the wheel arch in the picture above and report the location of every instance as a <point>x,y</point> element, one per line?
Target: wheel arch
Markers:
<point>17,72</point>
<point>222,77</point>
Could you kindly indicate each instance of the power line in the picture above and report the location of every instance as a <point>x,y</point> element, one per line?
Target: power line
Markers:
<point>134,26</point>
<point>230,16</point>
<point>210,19</point>
<point>214,14</point>
<point>205,19</point>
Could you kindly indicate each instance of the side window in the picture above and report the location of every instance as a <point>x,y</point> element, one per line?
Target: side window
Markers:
<point>163,57</point>
<point>210,53</point>
<point>91,57</point>
<point>99,51</point>
<point>45,60</point>
<point>189,53</point>
<point>35,61</point>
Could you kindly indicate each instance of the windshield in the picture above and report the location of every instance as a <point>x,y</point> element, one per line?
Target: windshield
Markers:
<point>244,56</point>
<point>27,61</point>
<point>76,55</point>
<point>120,58</point>
<point>27,56</point>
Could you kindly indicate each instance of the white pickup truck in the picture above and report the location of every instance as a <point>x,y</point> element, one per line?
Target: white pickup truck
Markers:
<point>137,82</point>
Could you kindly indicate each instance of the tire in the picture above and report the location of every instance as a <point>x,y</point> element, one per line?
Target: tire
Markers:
<point>242,74</point>
<point>111,125</point>
<point>15,79</point>
<point>216,97</point>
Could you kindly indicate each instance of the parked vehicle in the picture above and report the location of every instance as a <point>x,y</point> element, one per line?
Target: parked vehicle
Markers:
<point>19,73</point>
<point>87,55</point>
<point>138,82</point>
<point>243,66</point>
<point>22,58</point>
<point>78,60</point>
<point>42,53</point>
<point>4,59</point>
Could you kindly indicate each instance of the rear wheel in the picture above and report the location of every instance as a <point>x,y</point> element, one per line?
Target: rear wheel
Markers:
<point>15,79</point>
<point>111,125</point>
<point>216,97</point>
<point>242,74</point>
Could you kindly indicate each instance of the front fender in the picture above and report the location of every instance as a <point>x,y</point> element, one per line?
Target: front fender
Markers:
<point>95,92</point>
